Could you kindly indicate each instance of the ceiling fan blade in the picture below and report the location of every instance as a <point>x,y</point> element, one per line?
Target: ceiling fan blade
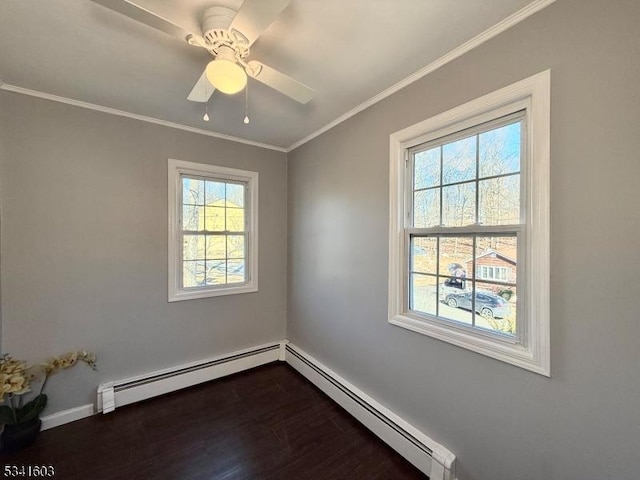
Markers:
<point>255,16</point>
<point>202,90</point>
<point>280,82</point>
<point>142,15</point>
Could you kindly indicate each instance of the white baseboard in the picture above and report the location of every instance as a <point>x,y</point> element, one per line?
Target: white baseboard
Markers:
<point>160,382</point>
<point>67,416</point>
<point>423,452</point>
<point>126,391</point>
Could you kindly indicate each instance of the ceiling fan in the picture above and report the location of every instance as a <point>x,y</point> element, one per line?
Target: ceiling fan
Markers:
<point>229,28</point>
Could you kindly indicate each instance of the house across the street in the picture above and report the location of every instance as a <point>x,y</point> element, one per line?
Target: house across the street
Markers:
<point>494,266</point>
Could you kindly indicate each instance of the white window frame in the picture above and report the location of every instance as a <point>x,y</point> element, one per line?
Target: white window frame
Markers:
<point>531,348</point>
<point>178,168</point>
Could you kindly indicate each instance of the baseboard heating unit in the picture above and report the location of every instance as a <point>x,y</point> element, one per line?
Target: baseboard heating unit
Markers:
<point>124,392</point>
<point>424,453</point>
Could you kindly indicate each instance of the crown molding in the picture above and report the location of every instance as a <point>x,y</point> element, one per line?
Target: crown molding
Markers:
<point>121,113</point>
<point>498,28</point>
<point>479,39</point>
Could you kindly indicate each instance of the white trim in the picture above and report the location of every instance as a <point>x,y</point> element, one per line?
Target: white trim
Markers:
<point>153,384</point>
<point>121,113</point>
<point>479,39</point>
<point>67,416</point>
<point>423,452</point>
<point>534,94</point>
<point>419,449</point>
<point>282,356</point>
<point>174,170</point>
<point>160,387</point>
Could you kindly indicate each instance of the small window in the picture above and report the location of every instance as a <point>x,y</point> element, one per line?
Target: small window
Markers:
<point>469,239</point>
<point>212,231</point>
<point>493,273</point>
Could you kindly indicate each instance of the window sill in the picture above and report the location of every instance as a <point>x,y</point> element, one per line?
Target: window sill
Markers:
<point>501,349</point>
<point>206,293</point>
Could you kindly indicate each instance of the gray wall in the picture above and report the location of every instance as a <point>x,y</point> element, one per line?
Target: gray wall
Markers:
<point>84,246</point>
<point>502,422</point>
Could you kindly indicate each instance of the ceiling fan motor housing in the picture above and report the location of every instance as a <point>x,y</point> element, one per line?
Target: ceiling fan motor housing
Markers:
<point>215,27</point>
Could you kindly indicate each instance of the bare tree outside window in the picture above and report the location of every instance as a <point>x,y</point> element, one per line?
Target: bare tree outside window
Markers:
<point>467,182</point>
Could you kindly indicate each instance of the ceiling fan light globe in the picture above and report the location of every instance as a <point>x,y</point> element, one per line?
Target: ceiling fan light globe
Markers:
<point>226,76</point>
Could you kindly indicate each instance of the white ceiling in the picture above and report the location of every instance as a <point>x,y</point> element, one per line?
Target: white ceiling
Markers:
<point>347,50</point>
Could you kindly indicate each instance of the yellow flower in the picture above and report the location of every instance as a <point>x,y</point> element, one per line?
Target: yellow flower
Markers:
<point>51,366</point>
<point>5,385</point>
<point>15,383</point>
<point>13,366</point>
<point>18,384</point>
<point>70,359</point>
<point>4,388</point>
<point>16,377</point>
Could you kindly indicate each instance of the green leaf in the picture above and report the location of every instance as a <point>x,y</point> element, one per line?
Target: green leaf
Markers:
<point>6,415</point>
<point>32,409</point>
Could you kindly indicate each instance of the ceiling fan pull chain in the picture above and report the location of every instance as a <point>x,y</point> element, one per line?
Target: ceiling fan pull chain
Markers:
<point>246,104</point>
<point>205,117</point>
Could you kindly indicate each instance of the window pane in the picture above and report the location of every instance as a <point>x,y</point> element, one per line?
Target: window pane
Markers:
<point>426,169</point>
<point>500,151</point>
<point>496,307</point>
<point>424,254</point>
<point>459,160</point>
<point>426,208</point>
<point>192,218</point>
<point>235,219</point>
<point>192,191</point>
<point>497,258</point>
<point>235,246</point>
<point>216,247</point>
<point>456,305</point>
<point>216,274</point>
<point>456,257</point>
<point>500,201</point>
<point>193,247</point>
<point>192,274</point>
<point>214,193</point>
<point>459,205</point>
<point>215,219</point>
<point>424,293</point>
<point>235,195</point>
<point>235,271</point>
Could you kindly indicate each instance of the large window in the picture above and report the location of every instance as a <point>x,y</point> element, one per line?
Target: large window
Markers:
<point>469,225</point>
<point>213,230</point>
<point>464,212</point>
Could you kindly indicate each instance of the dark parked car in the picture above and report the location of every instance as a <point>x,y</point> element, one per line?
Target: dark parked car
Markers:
<point>487,304</point>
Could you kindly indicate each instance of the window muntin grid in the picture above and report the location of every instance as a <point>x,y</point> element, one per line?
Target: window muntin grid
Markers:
<point>466,187</point>
<point>214,232</point>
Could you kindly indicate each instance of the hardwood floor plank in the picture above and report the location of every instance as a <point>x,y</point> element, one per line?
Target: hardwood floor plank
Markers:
<point>267,423</point>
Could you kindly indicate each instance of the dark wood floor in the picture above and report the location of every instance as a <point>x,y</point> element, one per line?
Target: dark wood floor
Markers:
<point>266,423</point>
